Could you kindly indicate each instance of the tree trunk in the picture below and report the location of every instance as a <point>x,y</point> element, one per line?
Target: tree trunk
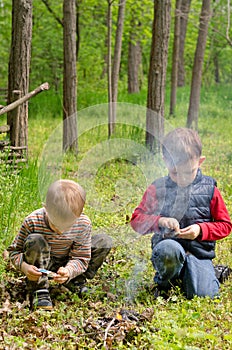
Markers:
<point>216,68</point>
<point>78,38</point>
<point>134,63</point>
<point>192,120</point>
<point>109,67</point>
<point>117,60</point>
<point>185,8</point>
<point>157,74</point>
<point>175,57</point>
<point>70,78</point>
<point>19,67</point>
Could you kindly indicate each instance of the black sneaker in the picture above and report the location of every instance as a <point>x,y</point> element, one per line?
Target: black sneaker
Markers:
<point>83,291</point>
<point>78,287</point>
<point>158,291</point>
<point>42,300</point>
<point>222,272</point>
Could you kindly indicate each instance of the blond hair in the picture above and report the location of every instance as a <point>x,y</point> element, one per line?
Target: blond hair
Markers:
<point>180,146</point>
<point>65,200</point>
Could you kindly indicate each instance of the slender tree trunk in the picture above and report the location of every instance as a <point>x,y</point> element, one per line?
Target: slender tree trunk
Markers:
<point>216,68</point>
<point>134,63</point>
<point>185,8</point>
<point>70,78</point>
<point>212,42</point>
<point>19,67</point>
<point>109,65</point>
<point>117,59</point>
<point>78,38</point>
<point>193,112</point>
<point>157,74</point>
<point>175,57</point>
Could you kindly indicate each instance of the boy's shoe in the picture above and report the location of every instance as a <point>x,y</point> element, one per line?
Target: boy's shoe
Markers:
<point>79,288</point>
<point>42,300</point>
<point>222,272</point>
<point>158,291</point>
<point>83,291</point>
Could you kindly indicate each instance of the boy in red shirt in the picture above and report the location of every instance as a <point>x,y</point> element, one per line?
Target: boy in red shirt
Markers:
<point>187,214</point>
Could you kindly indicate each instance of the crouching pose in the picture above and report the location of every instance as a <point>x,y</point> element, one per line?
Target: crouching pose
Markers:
<point>55,242</point>
<point>186,214</point>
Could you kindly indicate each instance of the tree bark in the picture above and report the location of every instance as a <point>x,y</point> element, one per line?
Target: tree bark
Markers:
<point>109,66</point>
<point>175,57</point>
<point>70,77</point>
<point>19,65</point>
<point>185,8</point>
<point>134,63</point>
<point>193,111</point>
<point>157,74</point>
<point>117,60</point>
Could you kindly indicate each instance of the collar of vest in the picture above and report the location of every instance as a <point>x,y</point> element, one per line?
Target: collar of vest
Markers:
<point>197,179</point>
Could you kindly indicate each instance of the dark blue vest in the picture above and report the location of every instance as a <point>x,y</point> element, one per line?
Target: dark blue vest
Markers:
<point>189,205</point>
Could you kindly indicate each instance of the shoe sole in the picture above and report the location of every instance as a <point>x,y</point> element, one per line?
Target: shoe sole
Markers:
<point>43,308</point>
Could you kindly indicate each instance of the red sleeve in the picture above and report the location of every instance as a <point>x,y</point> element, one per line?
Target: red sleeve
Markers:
<point>221,225</point>
<point>143,219</point>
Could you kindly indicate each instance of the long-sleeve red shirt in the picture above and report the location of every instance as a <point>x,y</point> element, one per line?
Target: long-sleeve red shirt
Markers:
<point>144,221</point>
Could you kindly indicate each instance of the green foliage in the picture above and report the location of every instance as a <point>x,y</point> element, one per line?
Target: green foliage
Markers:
<point>5,34</point>
<point>47,42</point>
<point>18,197</point>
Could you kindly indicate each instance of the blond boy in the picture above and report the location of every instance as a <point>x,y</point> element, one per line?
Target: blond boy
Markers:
<point>58,238</point>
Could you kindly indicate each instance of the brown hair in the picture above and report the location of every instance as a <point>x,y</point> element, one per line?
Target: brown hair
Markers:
<point>181,145</point>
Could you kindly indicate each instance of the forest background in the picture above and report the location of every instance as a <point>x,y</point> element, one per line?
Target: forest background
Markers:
<point>124,284</point>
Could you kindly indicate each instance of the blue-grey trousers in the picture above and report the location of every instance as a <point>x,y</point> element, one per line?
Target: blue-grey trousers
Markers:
<point>171,262</point>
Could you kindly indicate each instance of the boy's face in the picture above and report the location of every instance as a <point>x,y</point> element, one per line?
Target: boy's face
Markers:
<point>184,174</point>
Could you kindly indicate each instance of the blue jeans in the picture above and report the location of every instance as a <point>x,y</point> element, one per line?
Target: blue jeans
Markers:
<point>171,262</point>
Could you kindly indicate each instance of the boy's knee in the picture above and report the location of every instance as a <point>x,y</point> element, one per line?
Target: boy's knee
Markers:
<point>36,248</point>
<point>102,241</point>
<point>35,239</point>
<point>168,247</point>
<point>169,252</point>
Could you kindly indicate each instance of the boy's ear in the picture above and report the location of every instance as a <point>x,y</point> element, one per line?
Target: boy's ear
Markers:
<point>201,160</point>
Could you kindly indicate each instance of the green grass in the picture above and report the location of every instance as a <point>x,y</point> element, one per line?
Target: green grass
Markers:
<point>115,174</point>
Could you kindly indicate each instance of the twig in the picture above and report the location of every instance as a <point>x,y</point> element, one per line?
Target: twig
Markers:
<point>107,330</point>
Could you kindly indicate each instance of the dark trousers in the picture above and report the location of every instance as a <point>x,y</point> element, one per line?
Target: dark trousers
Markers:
<point>37,253</point>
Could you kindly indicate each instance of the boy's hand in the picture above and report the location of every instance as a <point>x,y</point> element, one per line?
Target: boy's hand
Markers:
<point>170,223</point>
<point>62,275</point>
<point>190,232</point>
<point>30,271</point>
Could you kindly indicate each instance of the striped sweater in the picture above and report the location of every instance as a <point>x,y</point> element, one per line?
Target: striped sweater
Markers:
<point>75,243</point>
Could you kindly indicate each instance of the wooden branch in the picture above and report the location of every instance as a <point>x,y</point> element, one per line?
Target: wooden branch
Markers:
<point>23,99</point>
<point>14,148</point>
